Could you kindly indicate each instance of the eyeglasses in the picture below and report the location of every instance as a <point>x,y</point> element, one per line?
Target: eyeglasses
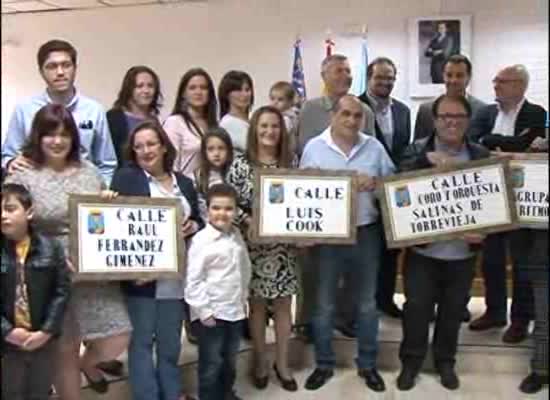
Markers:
<point>140,148</point>
<point>54,66</point>
<point>454,117</point>
<point>498,80</point>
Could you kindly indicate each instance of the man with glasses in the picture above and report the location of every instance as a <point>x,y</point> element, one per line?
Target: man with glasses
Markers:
<point>511,124</point>
<point>393,129</point>
<point>57,66</point>
<point>439,272</point>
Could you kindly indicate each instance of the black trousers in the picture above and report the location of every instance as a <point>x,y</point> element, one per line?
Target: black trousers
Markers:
<point>27,375</point>
<point>494,278</point>
<point>429,281</point>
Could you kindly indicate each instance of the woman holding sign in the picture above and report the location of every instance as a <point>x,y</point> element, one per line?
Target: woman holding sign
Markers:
<point>96,312</point>
<point>156,308</point>
<point>442,271</point>
<point>273,265</point>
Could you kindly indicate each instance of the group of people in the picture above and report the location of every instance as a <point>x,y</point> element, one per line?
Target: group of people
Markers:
<point>205,154</point>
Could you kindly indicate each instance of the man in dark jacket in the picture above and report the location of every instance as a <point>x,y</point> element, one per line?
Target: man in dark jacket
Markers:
<point>439,272</point>
<point>35,291</point>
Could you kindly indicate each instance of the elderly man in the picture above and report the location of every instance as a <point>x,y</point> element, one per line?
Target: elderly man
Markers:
<point>440,272</point>
<point>512,124</point>
<point>57,66</point>
<point>393,130</point>
<point>342,146</point>
<point>314,119</point>
<point>457,72</point>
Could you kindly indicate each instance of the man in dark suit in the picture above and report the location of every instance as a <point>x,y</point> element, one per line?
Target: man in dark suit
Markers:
<point>393,130</point>
<point>512,124</point>
<point>457,72</point>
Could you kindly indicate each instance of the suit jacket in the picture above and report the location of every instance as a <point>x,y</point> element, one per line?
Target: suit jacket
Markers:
<point>401,115</point>
<point>530,116</point>
<point>118,126</point>
<point>132,181</point>
<point>424,125</point>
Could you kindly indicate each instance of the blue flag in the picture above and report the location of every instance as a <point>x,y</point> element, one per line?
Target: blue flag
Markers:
<point>298,81</point>
<point>359,85</point>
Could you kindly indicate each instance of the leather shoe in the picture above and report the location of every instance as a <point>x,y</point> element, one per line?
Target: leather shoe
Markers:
<point>533,383</point>
<point>373,379</point>
<point>449,379</point>
<point>516,332</point>
<point>466,315</point>
<point>101,386</point>
<point>318,378</point>
<point>260,382</point>
<point>287,384</point>
<point>113,367</point>
<point>391,310</point>
<point>349,330</point>
<point>406,379</point>
<point>486,322</point>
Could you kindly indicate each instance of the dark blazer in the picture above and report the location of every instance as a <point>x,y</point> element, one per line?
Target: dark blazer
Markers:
<point>47,280</point>
<point>132,181</point>
<point>530,116</point>
<point>118,126</point>
<point>401,115</point>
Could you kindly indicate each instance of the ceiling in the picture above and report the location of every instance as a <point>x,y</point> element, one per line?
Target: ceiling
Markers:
<point>32,6</point>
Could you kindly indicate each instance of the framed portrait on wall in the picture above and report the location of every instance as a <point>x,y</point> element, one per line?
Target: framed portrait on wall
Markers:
<point>431,41</point>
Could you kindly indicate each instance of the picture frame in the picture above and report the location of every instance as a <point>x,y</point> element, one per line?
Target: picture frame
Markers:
<point>307,206</point>
<point>126,238</point>
<point>432,40</point>
<point>444,203</point>
<point>529,180</point>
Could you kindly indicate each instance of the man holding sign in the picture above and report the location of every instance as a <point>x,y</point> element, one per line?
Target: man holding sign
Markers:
<point>442,271</point>
<point>343,147</point>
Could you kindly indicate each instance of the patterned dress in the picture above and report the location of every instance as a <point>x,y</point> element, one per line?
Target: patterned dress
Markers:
<point>273,265</point>
<point>98,307</point>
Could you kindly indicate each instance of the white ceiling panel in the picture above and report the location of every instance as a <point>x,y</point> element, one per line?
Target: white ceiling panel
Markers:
<point>8,9</point>
<point>27,6</point>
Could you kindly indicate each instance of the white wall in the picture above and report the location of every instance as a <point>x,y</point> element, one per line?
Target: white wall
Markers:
<point>257,36</point>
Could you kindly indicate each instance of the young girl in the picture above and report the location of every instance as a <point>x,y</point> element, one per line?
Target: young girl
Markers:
<point>216,155</point>
<point>282,96</point>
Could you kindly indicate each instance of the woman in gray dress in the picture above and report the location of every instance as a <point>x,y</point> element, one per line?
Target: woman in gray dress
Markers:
<point>96,313</point>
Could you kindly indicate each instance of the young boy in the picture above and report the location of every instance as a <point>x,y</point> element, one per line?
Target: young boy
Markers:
<point>35,290</point>
<point>282,96</point>
<point>218,275</point>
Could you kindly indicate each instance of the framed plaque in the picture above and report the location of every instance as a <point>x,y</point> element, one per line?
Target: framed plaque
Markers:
<point>529,179</point>
<point>439,204</point>
<point>304,206</point>
<point>126,238</point>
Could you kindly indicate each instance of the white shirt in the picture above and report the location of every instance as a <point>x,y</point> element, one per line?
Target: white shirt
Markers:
<point>368,156</point>
<point>237,129</point>
<point>505,124</point>
<point>169,289</point>
<point>218,275</point>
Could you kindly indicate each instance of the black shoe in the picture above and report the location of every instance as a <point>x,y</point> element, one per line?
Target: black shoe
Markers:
<point>113,367</point>
<point>260,382</point>
<point>486,322</point>
<point>406,379</point>
<point>391,310</point>
<point>318,378</point>
<point>466,315</point>
<point>287,384</point>
<point>373,379</point>
<point>533,383</point>
<point>101,386</point>
<point>349,330</point>
<point>449,379</point>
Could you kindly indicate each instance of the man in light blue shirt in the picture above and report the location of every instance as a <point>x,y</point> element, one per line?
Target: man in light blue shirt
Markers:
<point>57,65</point>
<point>343,147</point>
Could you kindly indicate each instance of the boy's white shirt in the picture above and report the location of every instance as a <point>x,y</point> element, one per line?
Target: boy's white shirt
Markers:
<point>218,275</point>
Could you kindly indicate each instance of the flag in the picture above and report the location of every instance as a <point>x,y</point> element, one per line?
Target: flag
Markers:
<point>329,44</point>
<point>359,85</point>
<point>298,81</point>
